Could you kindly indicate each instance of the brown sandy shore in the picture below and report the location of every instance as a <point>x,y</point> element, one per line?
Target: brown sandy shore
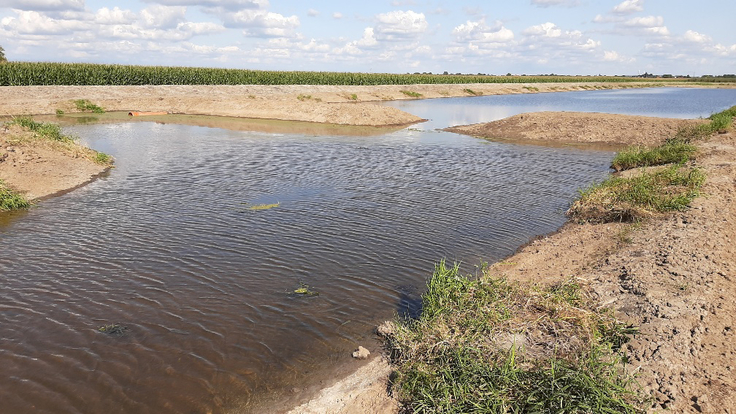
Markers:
<point>673,276</point>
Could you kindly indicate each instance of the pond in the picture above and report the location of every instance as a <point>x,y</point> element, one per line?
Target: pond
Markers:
<point>169,246</point>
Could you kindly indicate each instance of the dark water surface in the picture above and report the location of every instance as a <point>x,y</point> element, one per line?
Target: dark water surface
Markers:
<point>167,247</point>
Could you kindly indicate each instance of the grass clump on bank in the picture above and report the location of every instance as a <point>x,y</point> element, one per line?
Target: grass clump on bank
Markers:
<point>85,105</point>
<point>631,199</point>
<point>10,200</point>
<point>40,132</point>
<point>492,346</point>
<point>672,151</point>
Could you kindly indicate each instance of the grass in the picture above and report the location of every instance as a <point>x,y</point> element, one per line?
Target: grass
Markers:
<point>411,94</point>
<point>303,98</point>
<point>472,92</point>
<point>632,199</point>
<point>719,122</point>
<point>49,132</point>
<point>85,105</point>
<point>487,345</point>
<point>10,200</point>
<point>535,89</point>
<point>672,151</point>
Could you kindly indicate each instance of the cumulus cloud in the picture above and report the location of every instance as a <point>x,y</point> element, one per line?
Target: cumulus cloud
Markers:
<point>105,16</point>
<point>649,25</point>
<point>312,13</point>
<point>337,15</point>
<point>43,5</point>
<point>553,36</point>
<point>479,31</point>
<point>613,56</point>
<point>629,7</point>
<point>262,23</point>
<point>163,17</point>
<point>695,37</point>
<point>400,25</point>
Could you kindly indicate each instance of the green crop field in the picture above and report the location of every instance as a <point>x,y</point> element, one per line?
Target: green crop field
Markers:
<point>32,73</point>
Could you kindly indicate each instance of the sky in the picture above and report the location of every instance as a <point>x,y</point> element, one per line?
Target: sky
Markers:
<point>569,37</point>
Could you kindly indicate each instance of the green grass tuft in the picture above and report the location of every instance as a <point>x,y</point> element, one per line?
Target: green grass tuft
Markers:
<point>85,105</point>
<point>102,158</point>
<point>42,129</point>
<point>631,199</point>
<point>10,200</point>
<point>488,345</point>
<point>411,94</point>
<point>672,151</point>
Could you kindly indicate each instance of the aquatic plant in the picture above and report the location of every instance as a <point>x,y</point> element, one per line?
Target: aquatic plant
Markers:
<point>113,329</point>
<point>490,345</point>
<point>305,290</point>
<point>257,207</point>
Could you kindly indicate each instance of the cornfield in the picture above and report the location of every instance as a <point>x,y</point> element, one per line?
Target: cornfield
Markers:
<point>39,73</point>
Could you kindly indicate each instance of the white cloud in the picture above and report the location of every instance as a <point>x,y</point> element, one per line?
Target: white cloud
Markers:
<point>548,3</point>
<point>478,31</point>
<point>400,25</point>
<point>262,23</point>
<point>105,16</point>
<point>551,37</point>
<point>218,4</point>
<point>629,7</point>
<point>695,37</point>
<point>43,5</point>
<point>613,56</point>
<point>163,17</point>
<point>337,15</point>
<point>312,13</point>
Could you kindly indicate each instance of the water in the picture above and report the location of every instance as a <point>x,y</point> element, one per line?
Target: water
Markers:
<point>166,246</point>
<point>658,102</point>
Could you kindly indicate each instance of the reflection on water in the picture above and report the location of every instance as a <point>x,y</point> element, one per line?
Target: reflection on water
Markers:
<point>165,247</point>
<point>659,102</point>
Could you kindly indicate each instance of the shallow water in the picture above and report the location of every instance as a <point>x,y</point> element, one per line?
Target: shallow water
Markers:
<point>167,246</point>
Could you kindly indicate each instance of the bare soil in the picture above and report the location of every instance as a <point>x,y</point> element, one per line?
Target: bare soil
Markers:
<point>578,127</point>
<point>37,168</point>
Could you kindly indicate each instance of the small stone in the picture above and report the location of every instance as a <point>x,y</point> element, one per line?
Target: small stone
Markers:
<point>361,353</point>
<point>386,329</point>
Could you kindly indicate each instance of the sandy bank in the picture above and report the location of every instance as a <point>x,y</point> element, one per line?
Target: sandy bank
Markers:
<point>39,168</point>
<point>343,105</point>
<point>578,127</point>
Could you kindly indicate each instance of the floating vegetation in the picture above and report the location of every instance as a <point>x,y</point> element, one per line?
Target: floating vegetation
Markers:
<point>114,329</point>
<point>257,207</point>
<point>304,290</point>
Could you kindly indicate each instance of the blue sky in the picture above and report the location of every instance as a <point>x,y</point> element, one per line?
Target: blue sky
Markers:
<point>495,37</point>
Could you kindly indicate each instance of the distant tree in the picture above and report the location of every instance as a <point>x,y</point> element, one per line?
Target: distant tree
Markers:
<point>3,59</point>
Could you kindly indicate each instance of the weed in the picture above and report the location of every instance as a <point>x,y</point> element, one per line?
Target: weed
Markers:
<point>472,92</point>
<point>10,200</point>
<point>411,94</point>
<point>630,199</point>
<point>102,158</point>
<point>672,151</point>
<point>531,88</point>
<point>303,98</point>
<point>490,345</point>
<point>42,129</point>
<point>85,105</point>
<point>258,207</point>
<point>59,112</point>
<point>353,97</point>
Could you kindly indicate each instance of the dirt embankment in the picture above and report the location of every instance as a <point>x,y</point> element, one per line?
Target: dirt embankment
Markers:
<point>578,127</point>
<point>38,168</point>
<point>344,105</point>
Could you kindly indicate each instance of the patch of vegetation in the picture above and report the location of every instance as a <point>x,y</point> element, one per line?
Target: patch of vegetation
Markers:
<point>305,290</point>
<point>719,122</point>
<point>85,105</point>
<point>631,199</point>
<point>411,94</point>
<point>257,207</point>
<point>303,98</point>
<point>531,88</point>
<point>45,130</point>
<point>353,97</point>
<point>67,143</point>
<point>488,345</point>
<point>114,329</point>
<point>10,200</point>
<point>59,112</point>
<point>472,92</point>
<point>672,151</point>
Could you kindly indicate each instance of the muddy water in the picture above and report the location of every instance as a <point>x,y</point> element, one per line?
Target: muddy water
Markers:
<point>168,247</point>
